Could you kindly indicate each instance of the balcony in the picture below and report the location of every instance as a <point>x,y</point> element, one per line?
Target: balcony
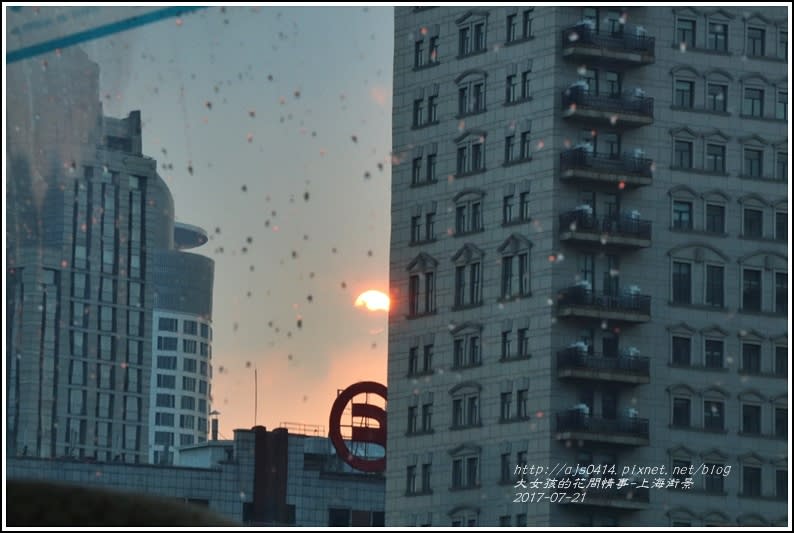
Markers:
<point>576,425</point>
<point>581,165</point>
<point>574,364</point>
<point>584,43</point>
<point>581,302</point>
<point>621,231</point>
<point>618,111</point>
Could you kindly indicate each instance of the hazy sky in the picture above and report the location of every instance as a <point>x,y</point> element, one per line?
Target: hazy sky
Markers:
<point>274,124</point>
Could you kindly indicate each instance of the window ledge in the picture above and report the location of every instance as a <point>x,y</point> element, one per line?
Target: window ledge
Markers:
<point>698,232</point>
<point>420,243</point>
<point>519,40</point>
<point>774,59</point>
<point>465,487</point>
<point>420,374</point>
<point>759,239</point>
<point>429,64</point>
<point>420,184</point>
<point>765,436</point>
<point>419,433</point>
<point>702,110</point>
<point>515,358</point>
<point>472,53</point>
<point>425,125</point>
<point>464,307</point>
<point>702,307</point>
<point>770,314</point>
<point>507,299</point>
<point>762,178</point>
<point>700,50</point>
<point>467,367</point>
<point>421,315</point>
<point>469,173</point>
<point>418,493</point>
<point>518,222</point>
<point>468,114</point>
<point>703,171</point>
<point>468,426</point>
<point>515,162</point>
<point>700,429</point>
<point>702,368</point>
<point>764,119</point>
<point>518,101</point>
<point>762,374</point>
<point>515,419</point>
<point>467,233</point>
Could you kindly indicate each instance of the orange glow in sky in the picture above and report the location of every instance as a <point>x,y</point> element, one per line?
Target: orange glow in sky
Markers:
<point>373,300</point>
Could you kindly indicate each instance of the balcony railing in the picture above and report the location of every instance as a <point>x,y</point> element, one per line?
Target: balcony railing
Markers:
<point>623,303</point>
<point>573,358</point>
<point>622,225</point>
<point>624,164</point>
<point>577,421</point>
<point>582,35</point>
<point>579,98</point>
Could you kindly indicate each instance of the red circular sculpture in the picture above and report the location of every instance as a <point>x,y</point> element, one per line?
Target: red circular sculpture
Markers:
<point>360,434</point>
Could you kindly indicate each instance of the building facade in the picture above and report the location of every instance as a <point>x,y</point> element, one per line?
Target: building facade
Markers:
<point>90,227</point>
<point>261,478</point>
<point>589,265</point>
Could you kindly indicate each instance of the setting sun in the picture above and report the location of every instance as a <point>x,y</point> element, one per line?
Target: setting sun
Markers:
<point>373,300</point>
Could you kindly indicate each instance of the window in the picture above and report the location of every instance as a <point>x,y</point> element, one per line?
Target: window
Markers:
<point>753,160</point>
<point>421,302</point>
<point>433,51</point>
<point>781,422</point>
<point>419,53</point>
<point>681,412</point>
<point>410,479</point>
<point>685,35</point>
<point>468,217</point>
<point>165,381</point>
<point>682,351</point>
<point>419,113</point>
<point>512,28</point>
<point>781,484</point>
<point>413,360</point>
<point>167,324</point>
<point>751,358</point>
<point>523,211</point>
<point>166,362</point>
<point>187,402</point>
<point>682,157</point>
<point>781,361</point>
<point>164,438</point>
<point>714,354</point>
<point>680,470</point>
<point>426,470</point>
<point>525,151</point>
<point>718,37</point>
<point>167,343</point>
<point>753,223</point>
<point>412,419</point>
<point>505,406</point>
<point>204,349</point>
<point>427,358</point>
<point>187,421</point>
<point>682,283</point>
<point>712,481</point>
<point>751,289</point>
<point>465,472</point>
<point>190,327</point>
<point>515,275</point>
<point>189,346</point>
<point>781,166</point>
<point>471,157</point>
<point>526,24</point>
<point>465,410</point>
<point>525,80</point>
<point>166,400</point>
<point>205,331</point>
<point>511,88</point>
<point>188,384</point>
<point>522,404</point>
<point>715,218</point>
<point>430,173</point>
<point>471,98</point>
<point>781,105</point>
<point>164,419</point>
<point>507,208</point>
<point>427,416</point>
<point>432,109</point>
<point>713,415</point>
<point>715,158</point>
<point>781,293</point>
<point>751,419</point>
<point>751,481</point>
<point>413,295</point>
<point>716,99</point>
<point>510,148</point>
<point>756,40</point>
<point>189,365</point>
<point>416,229</point>
<point>466,352</point>
<point>507,344</point>
<point>715,286</point>
<point>753,104</point>
<point>684,93</point>
<point>523,342</point>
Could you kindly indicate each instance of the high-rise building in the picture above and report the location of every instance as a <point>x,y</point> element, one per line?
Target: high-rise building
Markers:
<point>589,266</point>
<point>92,261</point>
